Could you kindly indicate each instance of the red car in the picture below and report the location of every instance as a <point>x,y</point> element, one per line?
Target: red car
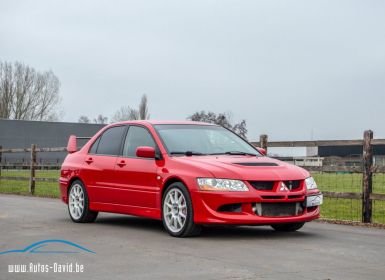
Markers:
<point>187,174</point>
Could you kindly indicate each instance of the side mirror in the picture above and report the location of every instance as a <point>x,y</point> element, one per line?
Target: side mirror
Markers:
<point>72,146</point>
<point>145,152</point>
<point>262,151</point>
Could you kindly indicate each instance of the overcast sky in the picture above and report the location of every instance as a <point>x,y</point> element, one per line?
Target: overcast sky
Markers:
<point>287,67</point>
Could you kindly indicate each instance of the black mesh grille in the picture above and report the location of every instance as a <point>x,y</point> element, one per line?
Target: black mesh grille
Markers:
<point>279,209</point>
<point>262,185</point>
<point>293,185</point>
<point>237,207</point>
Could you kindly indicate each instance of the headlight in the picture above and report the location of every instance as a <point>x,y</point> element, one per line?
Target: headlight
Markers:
<point>310,183</point>
<point>213,184</point>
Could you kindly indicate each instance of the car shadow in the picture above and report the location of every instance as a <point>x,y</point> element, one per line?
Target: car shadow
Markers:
<point>252,232</point>
<point>208,232</point>
<point>130,221</point>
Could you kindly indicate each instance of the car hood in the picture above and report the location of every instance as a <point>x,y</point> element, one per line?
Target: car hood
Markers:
<point>245,167</point>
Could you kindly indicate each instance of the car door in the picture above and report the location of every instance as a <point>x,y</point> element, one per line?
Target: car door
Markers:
<point>100,163</point>
<point>136,177</point>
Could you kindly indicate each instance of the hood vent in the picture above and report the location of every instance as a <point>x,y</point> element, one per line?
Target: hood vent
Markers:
<point>256,163</point>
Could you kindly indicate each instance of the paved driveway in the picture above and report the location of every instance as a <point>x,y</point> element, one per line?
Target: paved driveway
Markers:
<point>135,248</point>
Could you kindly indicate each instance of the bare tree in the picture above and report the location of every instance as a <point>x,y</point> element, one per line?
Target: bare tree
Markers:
<point>143,108</point>
<point>223,119</point>
<point>26,94</point>
<point>241,129</point>
<point>100,119</point>
<point>125,113</point>
<point>128,113</point>
<point>84,119</point>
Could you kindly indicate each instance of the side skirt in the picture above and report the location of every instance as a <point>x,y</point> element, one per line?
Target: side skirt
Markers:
<point>126,209</point>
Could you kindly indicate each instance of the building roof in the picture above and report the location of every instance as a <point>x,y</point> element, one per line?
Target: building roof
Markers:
<point>155,122</point>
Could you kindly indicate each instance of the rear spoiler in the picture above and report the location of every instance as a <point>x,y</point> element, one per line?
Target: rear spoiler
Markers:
<point>72,145</point>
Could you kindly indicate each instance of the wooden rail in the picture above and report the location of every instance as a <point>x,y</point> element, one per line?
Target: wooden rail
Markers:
<point>348,195</point>
<point>33,150</point>
<point>367,170</point>
<point>320,143</point>
<point>367,143</point>
<point>28,150</point>
<point>36,179</point>
<point>352,195</point>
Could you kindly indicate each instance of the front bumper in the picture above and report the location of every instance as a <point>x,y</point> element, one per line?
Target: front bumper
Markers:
<point>211,207</point>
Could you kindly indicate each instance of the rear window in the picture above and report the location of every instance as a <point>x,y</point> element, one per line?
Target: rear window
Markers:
<point>94,146</point>
<point>110,141</point>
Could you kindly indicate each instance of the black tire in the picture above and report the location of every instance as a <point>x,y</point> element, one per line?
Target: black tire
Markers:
<point>287,227</point>
<point>189,228</point>
<point>87,216</point>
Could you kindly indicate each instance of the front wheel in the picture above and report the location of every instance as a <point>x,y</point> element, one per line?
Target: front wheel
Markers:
<point>287,227</point>
<point>78,204</point>
<point>177,212</point>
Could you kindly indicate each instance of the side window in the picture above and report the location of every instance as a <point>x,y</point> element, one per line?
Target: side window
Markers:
<point>110,141</point>
<point>137,136</point>
<point>94,146</point>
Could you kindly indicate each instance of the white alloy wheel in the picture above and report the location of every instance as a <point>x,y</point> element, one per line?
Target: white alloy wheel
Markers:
<point>175,210</point>
<point>76,202</point>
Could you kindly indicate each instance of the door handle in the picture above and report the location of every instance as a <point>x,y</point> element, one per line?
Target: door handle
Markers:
<point>89,160</point>
<point>121,163</point>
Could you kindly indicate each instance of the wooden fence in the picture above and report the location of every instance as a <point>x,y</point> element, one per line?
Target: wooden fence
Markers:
<point>366,195</point>
<point>32,166</point>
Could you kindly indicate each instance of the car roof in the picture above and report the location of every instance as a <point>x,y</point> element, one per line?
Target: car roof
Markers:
<point>156,122</point>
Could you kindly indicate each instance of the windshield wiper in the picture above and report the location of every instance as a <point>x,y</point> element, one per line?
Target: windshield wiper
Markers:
<point>235,153</point>
<point>187,153</point>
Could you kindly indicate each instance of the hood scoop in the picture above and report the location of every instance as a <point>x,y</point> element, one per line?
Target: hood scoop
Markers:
<point>256,163</point>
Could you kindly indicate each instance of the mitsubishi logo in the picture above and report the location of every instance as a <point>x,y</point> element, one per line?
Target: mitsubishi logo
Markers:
<point>283,188</point>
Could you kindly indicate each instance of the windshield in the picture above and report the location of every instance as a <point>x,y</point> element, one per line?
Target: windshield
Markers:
<point>202,140</point>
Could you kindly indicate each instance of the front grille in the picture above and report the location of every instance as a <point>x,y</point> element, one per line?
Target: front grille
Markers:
<point>262,185</point>
<point>281,209</point>
<point>293,185</point>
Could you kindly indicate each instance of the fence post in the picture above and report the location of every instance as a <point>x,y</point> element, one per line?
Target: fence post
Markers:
<point>32,169</point>
<point>367,157</point>
<point>1,159</point>
<point>263,141</point>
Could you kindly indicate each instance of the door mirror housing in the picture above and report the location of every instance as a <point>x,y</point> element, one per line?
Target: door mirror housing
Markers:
<point>145,152</point>
<point>261,151</point>
<point>72,146</point>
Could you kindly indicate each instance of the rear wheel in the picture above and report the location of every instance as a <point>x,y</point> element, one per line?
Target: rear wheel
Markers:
<point>287,227</point>
<point>177,212</point>
<point>78,204</point>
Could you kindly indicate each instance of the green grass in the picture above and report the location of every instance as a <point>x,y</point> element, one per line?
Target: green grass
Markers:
<point>333,208</point>
<point>335,182</point>
<point>45,189</point>
<point>349,209</point>
<point>25,173</point>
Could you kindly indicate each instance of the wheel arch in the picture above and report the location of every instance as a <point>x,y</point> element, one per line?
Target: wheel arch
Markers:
<point>190,229</point>
<point>168,182</point>
<point>73,179</point>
